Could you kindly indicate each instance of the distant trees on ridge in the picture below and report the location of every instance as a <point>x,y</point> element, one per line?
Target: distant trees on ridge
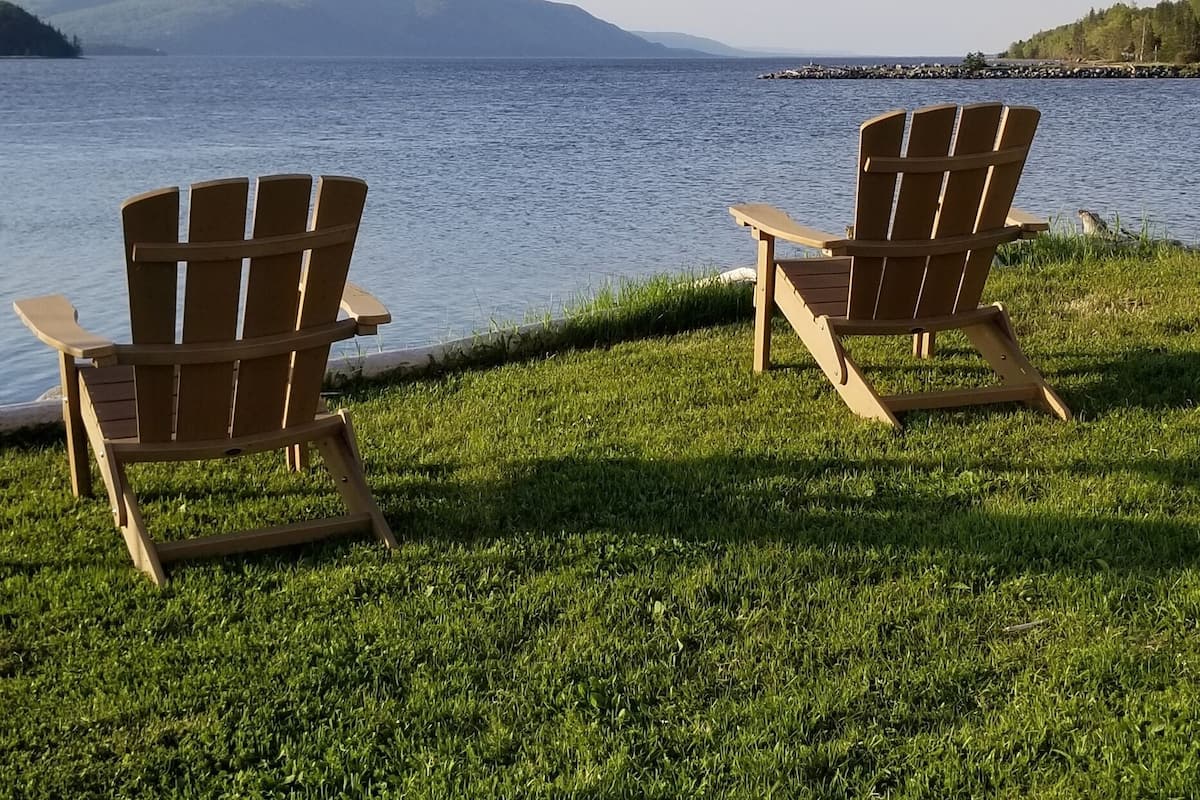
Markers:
<point>1169,32</point>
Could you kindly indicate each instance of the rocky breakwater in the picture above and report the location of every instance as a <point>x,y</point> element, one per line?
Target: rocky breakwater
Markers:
<point>959,72</point>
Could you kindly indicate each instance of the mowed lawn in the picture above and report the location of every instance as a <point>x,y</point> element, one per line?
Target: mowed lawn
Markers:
<point>639,570</point>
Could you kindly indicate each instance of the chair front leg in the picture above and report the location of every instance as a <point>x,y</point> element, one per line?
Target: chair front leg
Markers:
<point>77,454</point>
<point>764,302</point>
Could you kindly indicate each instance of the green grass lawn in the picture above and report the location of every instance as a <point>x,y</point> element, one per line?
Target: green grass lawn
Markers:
<point>640,570</point>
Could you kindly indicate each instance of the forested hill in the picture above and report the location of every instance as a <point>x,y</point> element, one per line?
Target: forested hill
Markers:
<point>422,28</point>
<point>22,34</point>
<point>1169,31</point>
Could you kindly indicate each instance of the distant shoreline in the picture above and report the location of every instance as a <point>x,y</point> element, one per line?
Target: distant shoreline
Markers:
<point>1042,71</point>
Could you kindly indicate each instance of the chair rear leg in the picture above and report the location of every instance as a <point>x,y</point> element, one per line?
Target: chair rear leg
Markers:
<point>341,459</point>
<point>924,344</point>
<point>298,459</point>
<point>77,452</point>
<point>995,341</point>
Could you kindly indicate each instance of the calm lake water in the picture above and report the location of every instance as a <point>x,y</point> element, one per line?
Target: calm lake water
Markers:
<point>500,188</point>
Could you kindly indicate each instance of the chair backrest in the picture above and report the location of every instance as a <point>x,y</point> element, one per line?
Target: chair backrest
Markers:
<point>259,312</point>
<point>946,192</point>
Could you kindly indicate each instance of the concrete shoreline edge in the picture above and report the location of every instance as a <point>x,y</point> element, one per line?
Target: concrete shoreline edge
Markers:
<point>339,371</point>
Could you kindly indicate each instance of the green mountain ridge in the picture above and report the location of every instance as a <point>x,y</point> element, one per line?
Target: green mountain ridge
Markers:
<point>413,28</point>
<point>23,34</point>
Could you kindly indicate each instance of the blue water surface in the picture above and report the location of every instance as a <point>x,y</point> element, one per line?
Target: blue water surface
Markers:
<point>500,188</point>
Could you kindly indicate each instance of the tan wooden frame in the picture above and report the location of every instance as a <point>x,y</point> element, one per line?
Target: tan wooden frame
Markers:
<point>927,225</point>
<point>227,392</point>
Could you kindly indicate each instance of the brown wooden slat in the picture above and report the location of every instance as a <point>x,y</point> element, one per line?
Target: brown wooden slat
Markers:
<point>881,136</point>
<point>152,217</point>
<point>110,412</point>
<point>112,403</point>
<point>924,248</point>
<point>257,247</point>
<point>836,294</point>
<point>272,303</point>
<point>911,165</point>
<point>916,210</point>
<point>339,202</point>
<point>1016,130</point>
<point>258,348</point>
<point>210,310</point>
<point>977,129</point>
<point>801,280</point>
<point>277,439</point>
<point>111,392</point>
<point>835,309</point>
<point>117,430</point>
<point>877,327</point>
<point>838,266</point>
<point>118,408</point>
<point>98,375</point>
<point>280,536</point>
<point>952,398</point>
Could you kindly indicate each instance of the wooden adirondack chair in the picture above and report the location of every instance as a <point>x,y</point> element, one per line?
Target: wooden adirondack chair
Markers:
<point>240,377</point>
<point>926,228</point>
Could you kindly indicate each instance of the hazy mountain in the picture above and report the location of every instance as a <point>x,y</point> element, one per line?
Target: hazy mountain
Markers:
<point>688,42</point>
<point>714,48</point>
<point>426,28</point>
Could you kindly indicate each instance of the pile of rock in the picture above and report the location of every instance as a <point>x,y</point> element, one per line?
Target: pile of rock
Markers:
<point>957,71</point>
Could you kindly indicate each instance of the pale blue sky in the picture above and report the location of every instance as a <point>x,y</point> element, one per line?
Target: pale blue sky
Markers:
<point>883,27</point>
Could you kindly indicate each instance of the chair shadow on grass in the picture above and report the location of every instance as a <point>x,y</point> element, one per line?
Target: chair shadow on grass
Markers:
<point>1148,378</point>
<point>900,505</point>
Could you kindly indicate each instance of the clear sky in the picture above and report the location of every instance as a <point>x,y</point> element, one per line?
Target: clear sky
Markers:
<point>872,27</point>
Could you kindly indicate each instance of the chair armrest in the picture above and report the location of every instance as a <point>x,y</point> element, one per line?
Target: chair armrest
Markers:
<point>1031,225</point>
<point>52,319</point>
<point>772,221</point>
<point>363,307</point>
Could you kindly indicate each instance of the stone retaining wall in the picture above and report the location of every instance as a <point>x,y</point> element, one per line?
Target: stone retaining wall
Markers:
<point>959,72</point>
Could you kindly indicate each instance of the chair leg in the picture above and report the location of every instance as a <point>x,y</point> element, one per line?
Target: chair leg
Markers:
<point>341,459</point>
<point>137,538</point>
<point>995,341</point>
<point>924,344</point>
<point>764,301</point>
<point>298,459</point>
<point>856,391</point>
<point>77,454</point>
